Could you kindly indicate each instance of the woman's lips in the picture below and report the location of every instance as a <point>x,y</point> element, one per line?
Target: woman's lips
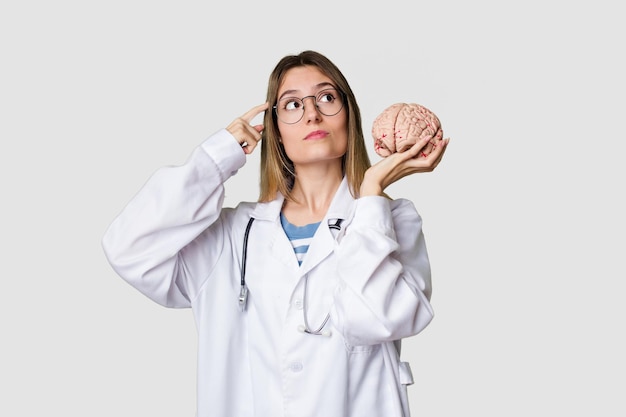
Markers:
<point>318,134</point>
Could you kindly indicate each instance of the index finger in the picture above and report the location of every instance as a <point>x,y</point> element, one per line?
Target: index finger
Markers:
<point>253,112</point>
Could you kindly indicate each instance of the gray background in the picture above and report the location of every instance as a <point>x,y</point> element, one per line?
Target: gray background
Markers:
<point>524,217</point>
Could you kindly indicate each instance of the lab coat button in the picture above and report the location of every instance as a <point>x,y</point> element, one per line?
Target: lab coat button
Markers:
<point>295,366</point>
<point>298,304</point>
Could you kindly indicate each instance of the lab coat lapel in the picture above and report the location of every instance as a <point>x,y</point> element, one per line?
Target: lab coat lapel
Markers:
<point>324,241</point>
<point>322,245</point>
<point>279,247</point>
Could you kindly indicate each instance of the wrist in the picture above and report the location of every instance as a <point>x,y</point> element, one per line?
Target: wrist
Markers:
<point>369,188</point>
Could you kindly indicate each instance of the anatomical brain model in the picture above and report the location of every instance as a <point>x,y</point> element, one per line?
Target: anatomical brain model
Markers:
<point>400,125</point>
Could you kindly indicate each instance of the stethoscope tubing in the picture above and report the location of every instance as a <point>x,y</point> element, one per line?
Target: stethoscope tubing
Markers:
<point>243,293</point>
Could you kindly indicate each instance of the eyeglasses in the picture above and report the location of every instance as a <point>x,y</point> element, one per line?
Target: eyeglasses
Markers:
<point>290,110</point>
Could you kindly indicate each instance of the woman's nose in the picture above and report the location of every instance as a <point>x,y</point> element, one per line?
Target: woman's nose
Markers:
<point>311,112</point>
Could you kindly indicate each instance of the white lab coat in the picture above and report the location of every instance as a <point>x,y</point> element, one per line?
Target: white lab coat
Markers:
<point>176,244</point>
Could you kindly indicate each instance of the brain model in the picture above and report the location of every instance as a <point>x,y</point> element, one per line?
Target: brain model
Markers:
<point>400,125</point>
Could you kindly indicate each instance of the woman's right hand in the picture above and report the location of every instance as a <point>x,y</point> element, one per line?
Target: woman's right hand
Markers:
<point>246,134</point>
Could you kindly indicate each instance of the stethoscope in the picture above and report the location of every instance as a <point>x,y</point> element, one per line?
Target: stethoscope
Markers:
<point>243,293</point>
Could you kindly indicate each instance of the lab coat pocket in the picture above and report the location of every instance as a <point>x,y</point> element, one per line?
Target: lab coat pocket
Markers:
<point>369,382</point>
<point>361,349</point>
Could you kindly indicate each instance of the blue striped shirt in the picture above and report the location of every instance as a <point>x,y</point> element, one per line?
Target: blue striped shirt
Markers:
<point>299,236</point>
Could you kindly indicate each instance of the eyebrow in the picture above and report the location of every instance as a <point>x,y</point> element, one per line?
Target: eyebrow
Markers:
<point>318,87</point>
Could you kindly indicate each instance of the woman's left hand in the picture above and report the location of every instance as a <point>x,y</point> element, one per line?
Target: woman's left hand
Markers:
<point>400,164</point>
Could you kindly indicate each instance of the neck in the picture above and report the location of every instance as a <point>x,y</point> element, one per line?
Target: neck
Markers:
<point>313,191</point>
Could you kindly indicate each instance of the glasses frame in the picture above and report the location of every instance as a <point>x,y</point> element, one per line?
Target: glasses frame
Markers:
<point>340,95</point>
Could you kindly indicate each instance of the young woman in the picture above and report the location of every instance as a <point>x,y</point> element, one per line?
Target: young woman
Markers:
<point>302,298</point>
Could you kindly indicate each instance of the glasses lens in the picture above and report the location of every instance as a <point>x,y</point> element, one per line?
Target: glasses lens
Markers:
<point>329,102</point>
<point>291,109</point>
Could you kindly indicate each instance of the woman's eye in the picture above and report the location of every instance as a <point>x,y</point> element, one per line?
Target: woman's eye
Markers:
<point>326,98</point>
<point>292,105</point>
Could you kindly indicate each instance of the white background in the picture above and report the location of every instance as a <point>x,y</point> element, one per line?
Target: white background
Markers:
<point>524,218</point>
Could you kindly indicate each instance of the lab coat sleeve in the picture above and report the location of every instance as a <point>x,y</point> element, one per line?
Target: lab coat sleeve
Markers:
<point>384,274</point>
<point>177,203</point>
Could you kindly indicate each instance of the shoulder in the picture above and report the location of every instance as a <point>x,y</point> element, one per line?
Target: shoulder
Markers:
<point>231,217</point>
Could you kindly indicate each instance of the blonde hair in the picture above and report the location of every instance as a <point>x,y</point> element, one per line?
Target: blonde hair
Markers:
<point>277,170</point>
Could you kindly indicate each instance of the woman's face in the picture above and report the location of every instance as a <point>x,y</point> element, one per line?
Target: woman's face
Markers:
<point>316,137</point>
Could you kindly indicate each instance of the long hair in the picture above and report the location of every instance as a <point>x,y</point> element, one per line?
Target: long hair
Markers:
<point>277,170</point>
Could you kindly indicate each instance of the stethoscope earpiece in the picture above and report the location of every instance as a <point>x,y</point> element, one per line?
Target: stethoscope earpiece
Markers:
<point>336,225</point>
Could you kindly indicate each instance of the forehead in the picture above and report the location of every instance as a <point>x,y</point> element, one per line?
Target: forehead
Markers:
<point>304,79</point>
